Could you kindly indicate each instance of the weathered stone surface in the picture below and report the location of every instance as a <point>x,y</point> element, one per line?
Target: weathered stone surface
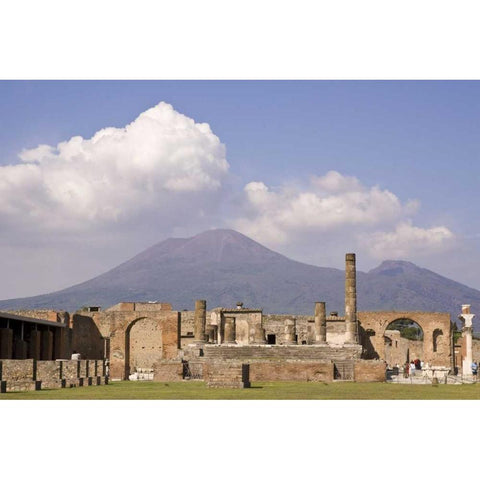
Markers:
<point>200,320</point>
<point>168,371</point>
<point>370,371</point>
<point>350,299</point>
<point>227,375</point>
<point>320,322</point>
<point>291,370</point>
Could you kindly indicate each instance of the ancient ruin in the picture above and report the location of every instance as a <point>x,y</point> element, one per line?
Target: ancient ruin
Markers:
<point>223,346</point>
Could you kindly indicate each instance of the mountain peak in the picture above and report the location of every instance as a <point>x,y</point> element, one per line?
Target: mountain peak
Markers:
<point>392,268</point>
<point>224,245</point>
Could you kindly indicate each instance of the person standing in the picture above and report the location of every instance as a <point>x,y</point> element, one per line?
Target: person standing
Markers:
<point>474,369</point>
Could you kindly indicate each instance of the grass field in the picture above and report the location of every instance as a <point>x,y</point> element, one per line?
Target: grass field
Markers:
<point>259,391</point>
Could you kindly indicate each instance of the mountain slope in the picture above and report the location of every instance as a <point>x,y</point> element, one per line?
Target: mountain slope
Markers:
<point>224,266</point>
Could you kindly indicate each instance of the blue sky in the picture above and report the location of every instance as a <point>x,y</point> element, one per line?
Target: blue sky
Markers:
<point>417,140</point>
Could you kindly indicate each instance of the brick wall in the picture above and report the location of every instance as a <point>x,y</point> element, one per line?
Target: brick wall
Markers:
<point>168,371</point>
<point>369,370</point>
<point>291,371</point>
<point>226,375</point>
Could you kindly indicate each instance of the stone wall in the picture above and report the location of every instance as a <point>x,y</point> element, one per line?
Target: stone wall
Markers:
<point>128,341</point>
<point>227,375</point>
<point>282,352</point>
<point>401,350</point>
<point>21,375</point>
<point>305,328</point>
<point>168,371</point>
<point>291,370</point>
<point>370,371</point>
<point>436,334</point>
<point>86,337</point>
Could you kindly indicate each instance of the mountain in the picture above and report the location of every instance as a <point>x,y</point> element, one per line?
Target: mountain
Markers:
<point>224,266</point>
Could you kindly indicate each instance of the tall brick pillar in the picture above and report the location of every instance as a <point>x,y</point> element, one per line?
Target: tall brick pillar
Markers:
<point>6,343</point>
<point>350,299</point>
<point>200,320</point>
<point>320,323</point>
<point>34,346</point>
<point>46,346</point>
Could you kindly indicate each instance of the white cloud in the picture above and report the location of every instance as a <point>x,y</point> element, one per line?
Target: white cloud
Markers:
<point>328,203</point>
<point>406,240</point>
<point>336,210</point>
<point>158,159</point>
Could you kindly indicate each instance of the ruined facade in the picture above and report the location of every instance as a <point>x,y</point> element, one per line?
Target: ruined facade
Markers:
<point>139,338</point>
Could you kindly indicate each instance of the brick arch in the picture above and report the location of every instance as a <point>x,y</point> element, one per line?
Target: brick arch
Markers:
<point>429,322</point>
<point>143,343</point>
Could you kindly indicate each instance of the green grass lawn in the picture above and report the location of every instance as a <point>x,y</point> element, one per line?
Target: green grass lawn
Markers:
<point>259,391</point>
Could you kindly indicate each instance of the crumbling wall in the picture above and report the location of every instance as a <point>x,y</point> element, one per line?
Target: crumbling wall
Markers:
<point>227,375</point>
<point>23,375</point>
<point>436,348</point>
<point>118,326</point>
<point>370,371</point>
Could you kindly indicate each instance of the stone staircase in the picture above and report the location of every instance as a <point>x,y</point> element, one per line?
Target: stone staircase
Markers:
<point>282,352</point>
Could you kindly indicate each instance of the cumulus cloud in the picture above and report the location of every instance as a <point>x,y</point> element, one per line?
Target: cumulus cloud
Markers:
<point>328,203</point>
<point>406,239</point>
<point>338,207</point>
<point>160,158</point>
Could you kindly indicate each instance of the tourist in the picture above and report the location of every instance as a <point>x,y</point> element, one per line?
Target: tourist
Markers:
<point>412,368</point>
<point>75,355</point>
<point>405,370</point>
<point>474,369</point>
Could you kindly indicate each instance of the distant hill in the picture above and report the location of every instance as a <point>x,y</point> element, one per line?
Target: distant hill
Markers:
<point>224,266</point>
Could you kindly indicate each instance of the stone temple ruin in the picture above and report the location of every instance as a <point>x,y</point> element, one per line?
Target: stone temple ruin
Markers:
<point>224,346</point>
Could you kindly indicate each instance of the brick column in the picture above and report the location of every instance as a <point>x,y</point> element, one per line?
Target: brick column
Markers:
<point>350,299</point>
<point>46,348</point>
<point>34,346</point>
<point>6,343</point>
<point>320,323</point>
<point>200,320</point>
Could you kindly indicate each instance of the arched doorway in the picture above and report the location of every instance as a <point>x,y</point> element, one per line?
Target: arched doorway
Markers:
<point>403,342</point>
<point>143,347</point>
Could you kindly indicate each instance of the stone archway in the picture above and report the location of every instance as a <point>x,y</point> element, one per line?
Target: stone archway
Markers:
<point>435,344</point>
<point>405,342</point>
<point>143,345</point>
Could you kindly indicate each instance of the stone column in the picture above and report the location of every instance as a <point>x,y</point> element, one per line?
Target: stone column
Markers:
<point>6,343</point>
<point>200,320</point>
<point>229,330</point>
<point>211,333</point>
<point>46,349</point>
<point>34,347</point>
<point>350,299</point>
<point>320,323</point>
<point>259,335</point>
<point>290,332</point>
<point>467,318</point>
